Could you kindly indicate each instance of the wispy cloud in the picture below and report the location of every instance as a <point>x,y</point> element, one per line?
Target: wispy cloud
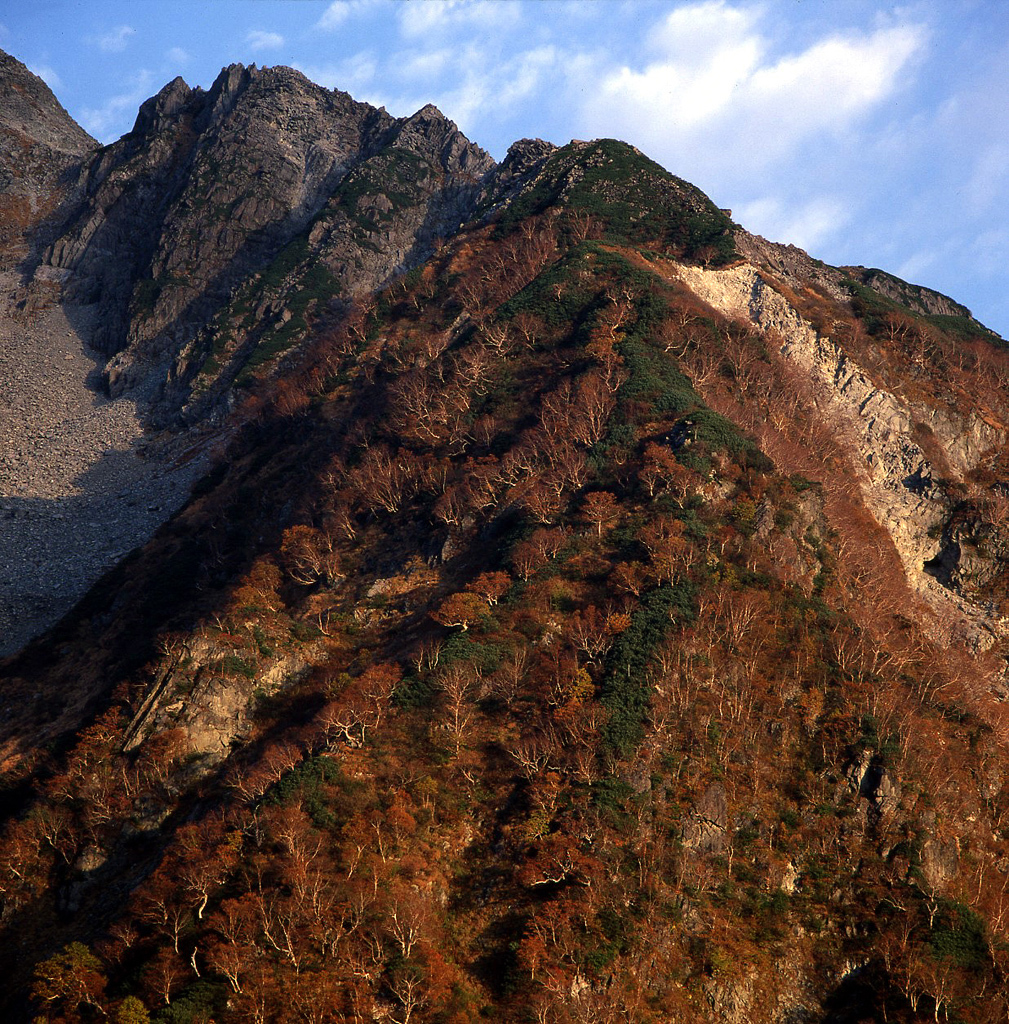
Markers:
<point>117,114</point>
<point>466,83</point>
<point>177,55</point>
<point>115,40</point>
<point>340,11</point>
<point>355,75</point>
<point>423,65</point>
<point>805,224</point>
<point>917,265</point>
<point>257,39</point>
<point>989,253</point>
<point>47,74</point>
<point>423,18</point>
<point>496,86</point>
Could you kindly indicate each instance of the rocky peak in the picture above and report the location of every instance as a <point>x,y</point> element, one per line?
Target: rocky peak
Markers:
<point>790,264</point>
<point>228,86</point>
<point>29,109</point>
<point>39,144</point>
<point>524,161</point>
<point>156,113</point>
<point>208,189</point>
<point>915,297</point>
<point>430,130</point>
<point>785,490</point>
<point>525,154</point>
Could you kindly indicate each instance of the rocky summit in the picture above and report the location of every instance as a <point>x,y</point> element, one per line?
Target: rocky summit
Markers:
<point>237,210</point>
<point>41,150</point>
<point>438,590</point>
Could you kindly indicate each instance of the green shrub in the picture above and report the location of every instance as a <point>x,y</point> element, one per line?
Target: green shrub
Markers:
<point>632,197</point>
<point>234,665</point>
<point>414,692</point>
<point>959,934</point>
<point>308,782</point>
<point>461,647</point>
<point>198,1003</point>
<point>625,690</point>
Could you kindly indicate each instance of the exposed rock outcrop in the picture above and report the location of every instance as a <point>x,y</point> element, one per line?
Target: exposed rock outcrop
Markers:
<point>41,147</point>
<point>884,432</point>
<point>209,187</point>
<point>525,159</point>
<point>132,250</point>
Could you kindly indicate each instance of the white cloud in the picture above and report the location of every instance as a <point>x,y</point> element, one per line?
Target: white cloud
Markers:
<point>423,65</point>
<point>257,39</point>
<point>177,55</point>
<point>988,253</point>
<point>115,40</point>
<point>340,11</point>
<point>683,95</point>
<point>988,183</point>
<point>521,77</point>
<point>351,75</point>
<point>116,116</point>
<point>713,86</point>
<point>426,17</point>
<point>806,224</point>
<point>467,85</point>
<point>47,74</point>
<point>689,33</point>
<point>834,80</point>
<point>917,265</point>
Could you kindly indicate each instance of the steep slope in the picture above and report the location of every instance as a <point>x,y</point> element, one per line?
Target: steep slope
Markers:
<point>193,209</point>
<point>162,269</point>
<point>40,149</point>
<point>81,483</point>
<point>601,621</point>
<point>913,456</point>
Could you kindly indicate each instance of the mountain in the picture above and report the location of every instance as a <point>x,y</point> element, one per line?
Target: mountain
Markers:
<point>196,230</point>
<point>585,610</point>
<point>41,148</point>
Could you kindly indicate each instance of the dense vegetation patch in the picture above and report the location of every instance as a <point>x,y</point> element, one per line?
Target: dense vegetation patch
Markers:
<point>496,674</point>
<point>632,198</point>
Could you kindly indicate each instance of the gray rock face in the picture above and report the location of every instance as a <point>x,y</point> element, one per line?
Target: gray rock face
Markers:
<point>524,161</point>
<point>940,861</point>
<point>135,256</point>
<point>793,265</point>
<point>29,109</point>
<point>705,829</point>
<point>872,782</point>
<point>40,148</point>
<point>209,187</point>
<point>895,465</point>
<point>798,269</point>
<point>921,299</point>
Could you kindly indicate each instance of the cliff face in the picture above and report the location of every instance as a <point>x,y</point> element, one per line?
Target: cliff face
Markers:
<point>910,458</point>
<point>41,147</point>
<point>201,197</point>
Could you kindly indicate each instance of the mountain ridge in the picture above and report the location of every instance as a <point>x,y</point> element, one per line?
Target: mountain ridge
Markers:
<point>589,611</point>
<point>302,141</point>
<point>39,145</point>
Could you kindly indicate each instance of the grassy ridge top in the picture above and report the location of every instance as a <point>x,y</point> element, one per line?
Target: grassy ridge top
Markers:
<point>632,199</point>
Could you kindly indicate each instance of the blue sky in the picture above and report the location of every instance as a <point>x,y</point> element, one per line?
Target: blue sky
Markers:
<point>862,131</point>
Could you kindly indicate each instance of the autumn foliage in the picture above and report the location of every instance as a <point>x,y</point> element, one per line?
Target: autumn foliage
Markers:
<point>498,673</point>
